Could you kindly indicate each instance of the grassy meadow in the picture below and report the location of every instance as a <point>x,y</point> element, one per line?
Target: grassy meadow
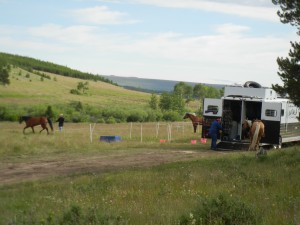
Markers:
<point>209,188</point>
<point>29,89</point>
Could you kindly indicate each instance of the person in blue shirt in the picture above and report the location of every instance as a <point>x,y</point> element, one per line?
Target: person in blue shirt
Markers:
<point>214,130</point>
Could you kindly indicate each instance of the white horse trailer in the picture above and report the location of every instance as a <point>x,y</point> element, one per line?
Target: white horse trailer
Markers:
<point>279,115</point>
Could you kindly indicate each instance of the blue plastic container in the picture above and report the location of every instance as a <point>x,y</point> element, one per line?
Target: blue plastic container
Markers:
<point>110,138</point>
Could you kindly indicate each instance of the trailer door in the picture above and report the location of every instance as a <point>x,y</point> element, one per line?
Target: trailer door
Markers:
<point>271,115</point>
<point>212,108</point>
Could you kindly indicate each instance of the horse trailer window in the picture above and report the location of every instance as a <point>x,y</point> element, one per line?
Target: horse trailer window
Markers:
<point>282,112</point>
<point>271,112</point>
<point>212,108</point>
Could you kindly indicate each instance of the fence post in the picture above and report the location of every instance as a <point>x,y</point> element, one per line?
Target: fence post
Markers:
<point>91,132</point>
<point>130,130</point>
<point>141,132</point>
<point>169,131</point>
<point>157,129</point>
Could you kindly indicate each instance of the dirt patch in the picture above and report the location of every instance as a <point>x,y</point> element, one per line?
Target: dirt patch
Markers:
<point>100,163</point>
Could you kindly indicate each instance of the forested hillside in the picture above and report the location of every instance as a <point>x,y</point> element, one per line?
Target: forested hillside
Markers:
<point>31,64</point>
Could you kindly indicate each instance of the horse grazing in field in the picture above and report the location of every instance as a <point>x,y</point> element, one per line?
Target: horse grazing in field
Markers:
<point>246,129</point>
<point>257,131</point>
<point>195,120</point>
<point>35,121</point>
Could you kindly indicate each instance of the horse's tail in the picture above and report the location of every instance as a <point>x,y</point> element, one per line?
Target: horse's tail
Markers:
<point>50,123</point>
<point>255,136</point>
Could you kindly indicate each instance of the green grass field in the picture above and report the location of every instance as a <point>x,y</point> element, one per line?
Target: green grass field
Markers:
<point>65,178</point>
<point>28,89</point>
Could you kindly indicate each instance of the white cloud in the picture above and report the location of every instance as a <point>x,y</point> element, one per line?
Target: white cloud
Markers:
<point>71,34</point>
<point>101,15</point>
<point>243,8</point>
<point>27,47</point>
<point>231,29</point>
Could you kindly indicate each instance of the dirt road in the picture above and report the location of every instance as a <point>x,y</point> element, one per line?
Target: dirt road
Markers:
<point>100,163</point>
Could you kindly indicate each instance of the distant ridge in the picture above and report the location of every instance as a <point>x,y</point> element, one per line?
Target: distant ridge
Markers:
<point>151,85</point>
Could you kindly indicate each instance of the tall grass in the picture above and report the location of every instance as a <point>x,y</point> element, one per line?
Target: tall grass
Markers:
<point>267,186</point>
<point>77,138</point>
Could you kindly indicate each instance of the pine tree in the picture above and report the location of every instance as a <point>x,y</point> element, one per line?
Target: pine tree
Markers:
<point>289,67</point>
<point>4,73</point>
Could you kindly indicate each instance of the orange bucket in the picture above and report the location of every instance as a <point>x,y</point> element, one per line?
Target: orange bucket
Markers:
<point>193,142</point>
<point>203,140</point>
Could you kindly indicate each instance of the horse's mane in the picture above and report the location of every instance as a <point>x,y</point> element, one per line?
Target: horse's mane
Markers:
<point>190,113</point>
<point>248,123</point>
<point>26,117</point>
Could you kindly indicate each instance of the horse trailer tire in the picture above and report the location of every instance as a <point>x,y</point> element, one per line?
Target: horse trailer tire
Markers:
<point>280,142</point>
<point>252,84</point>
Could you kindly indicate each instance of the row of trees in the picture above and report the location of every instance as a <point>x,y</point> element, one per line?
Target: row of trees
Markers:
<point>78,112</point>
<point>181,96</point>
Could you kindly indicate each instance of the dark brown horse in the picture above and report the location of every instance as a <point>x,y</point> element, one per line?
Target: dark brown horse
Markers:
<point>257,131</point>
<point>35,121</point>
<point>195,120</point>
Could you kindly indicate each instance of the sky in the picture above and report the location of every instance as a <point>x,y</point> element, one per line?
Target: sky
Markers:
<point>202,41</point>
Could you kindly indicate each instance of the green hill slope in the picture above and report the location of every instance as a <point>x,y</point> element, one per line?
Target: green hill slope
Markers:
<point>30,93</point>
<point>31,89</point>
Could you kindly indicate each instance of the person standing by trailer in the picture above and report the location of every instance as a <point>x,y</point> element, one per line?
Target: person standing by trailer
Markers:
<point>214,130</point>
<point>61,121</point>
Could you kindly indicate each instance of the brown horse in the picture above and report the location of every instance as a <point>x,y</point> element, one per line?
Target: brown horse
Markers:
<point>195,120</point>
<point>35,121</point>
<point>257,131</point>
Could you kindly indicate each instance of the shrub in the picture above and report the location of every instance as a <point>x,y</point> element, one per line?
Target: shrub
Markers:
<point>111,120</point>
<point>137,116</point>
<point>2,112</point>
<point>77,105</point>
<point>73,216</point>
<point>154,115</point>
<point>76,117</point>
<point>75,92</point>
<point>221,210</point>
<point>10,113</point>
<point>100,120</point>
<point>171,116</point>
